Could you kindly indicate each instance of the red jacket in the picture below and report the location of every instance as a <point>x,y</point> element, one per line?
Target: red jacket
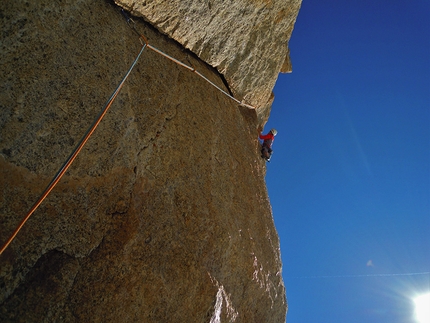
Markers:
<point>268,139</point>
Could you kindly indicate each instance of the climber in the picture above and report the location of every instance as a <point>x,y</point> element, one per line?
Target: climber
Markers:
<point>266,149</point>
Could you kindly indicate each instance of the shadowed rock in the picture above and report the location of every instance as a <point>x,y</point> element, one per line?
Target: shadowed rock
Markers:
<point>164,216</point>
<point>245,40</point>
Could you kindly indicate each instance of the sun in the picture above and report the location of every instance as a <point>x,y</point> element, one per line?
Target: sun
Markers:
<point>422,308</point>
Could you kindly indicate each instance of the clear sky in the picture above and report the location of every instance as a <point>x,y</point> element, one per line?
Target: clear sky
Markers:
<point>349,180</point>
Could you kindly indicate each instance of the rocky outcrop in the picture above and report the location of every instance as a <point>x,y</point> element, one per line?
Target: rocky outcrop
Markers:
<point>164,216</point>
<point>245,40</point>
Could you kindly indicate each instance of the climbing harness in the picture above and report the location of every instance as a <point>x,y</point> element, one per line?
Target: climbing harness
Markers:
<point>83,141</point>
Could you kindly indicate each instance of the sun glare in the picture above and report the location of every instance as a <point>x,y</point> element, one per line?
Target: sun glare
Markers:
<point>422,308</point>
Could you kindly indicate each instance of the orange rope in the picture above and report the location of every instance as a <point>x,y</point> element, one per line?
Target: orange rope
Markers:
<point>73,156</point>
<point>84,140</point>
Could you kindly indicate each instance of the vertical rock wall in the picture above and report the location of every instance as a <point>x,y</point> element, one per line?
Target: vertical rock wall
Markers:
<point>245,40</point>
<point>164,216</point>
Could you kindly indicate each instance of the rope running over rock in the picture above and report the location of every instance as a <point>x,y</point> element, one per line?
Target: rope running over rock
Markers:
<point>99,118</point>
<point>74,154</point>
<point>132,25</point>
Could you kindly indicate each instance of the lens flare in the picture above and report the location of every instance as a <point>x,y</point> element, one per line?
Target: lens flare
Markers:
<point>422,308</point>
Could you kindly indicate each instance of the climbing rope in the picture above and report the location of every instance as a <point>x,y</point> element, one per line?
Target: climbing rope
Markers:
<point>74,154</point>
<point>132,25</point>
<point>83,141</point>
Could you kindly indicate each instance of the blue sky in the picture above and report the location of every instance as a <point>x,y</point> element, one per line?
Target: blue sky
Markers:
<point>349,180</point>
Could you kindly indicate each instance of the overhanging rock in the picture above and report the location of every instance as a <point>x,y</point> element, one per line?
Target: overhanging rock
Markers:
<point>246,40</point>
<point>164,216</point>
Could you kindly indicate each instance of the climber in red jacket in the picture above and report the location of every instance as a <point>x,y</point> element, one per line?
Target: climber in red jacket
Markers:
<point>266,149</point>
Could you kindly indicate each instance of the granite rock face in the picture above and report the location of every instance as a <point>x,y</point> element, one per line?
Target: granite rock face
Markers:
<point>164,216</point>
<point>245,40</point>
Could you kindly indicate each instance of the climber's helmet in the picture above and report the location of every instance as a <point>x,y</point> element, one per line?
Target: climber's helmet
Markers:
<point>274,132</point>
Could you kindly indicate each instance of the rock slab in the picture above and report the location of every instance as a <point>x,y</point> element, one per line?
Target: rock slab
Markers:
<point>245,40</point>
<point>164,216</point>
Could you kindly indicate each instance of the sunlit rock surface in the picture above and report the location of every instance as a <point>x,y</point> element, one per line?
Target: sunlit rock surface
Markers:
<point>164,216</point>
<point>246,40</point>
